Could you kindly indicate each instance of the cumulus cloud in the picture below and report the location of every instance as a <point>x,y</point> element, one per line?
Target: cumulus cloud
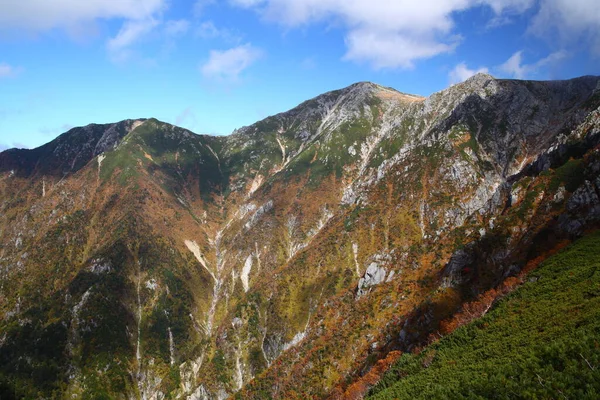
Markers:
<point>74,16</point>
<point>515,68</point>
<point>461,73</point>
<point>227,65</point>
<point>569,22</point>
<point>392,49</point>
<point>510,6</point>
<point>506,10</point>
<point>41,15</point>
<point>383,33</point>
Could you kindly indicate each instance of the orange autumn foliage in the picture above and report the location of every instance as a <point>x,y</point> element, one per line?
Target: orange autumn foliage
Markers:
<point>470,311</point>
<point>533,264</point>
<point>360,387</point>
<point>477,308</point>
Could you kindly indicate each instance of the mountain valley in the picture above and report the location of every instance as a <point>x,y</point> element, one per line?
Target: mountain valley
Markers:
<point>294,257</point>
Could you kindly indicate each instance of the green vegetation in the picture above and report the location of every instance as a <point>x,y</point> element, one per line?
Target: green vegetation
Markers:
<point>174,156</point>
<point>540,342</point>
<point>321,162</point>
<point>220,366</point>
<point>571,174</point>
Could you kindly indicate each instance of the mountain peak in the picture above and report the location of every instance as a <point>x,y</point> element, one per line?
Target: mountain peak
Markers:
<point>363,85</point>
<point>480,77</point>
<point>476,82</point>
<point>383,92</point>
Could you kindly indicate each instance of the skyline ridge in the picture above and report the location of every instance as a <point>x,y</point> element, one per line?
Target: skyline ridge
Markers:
<point>477,76</point>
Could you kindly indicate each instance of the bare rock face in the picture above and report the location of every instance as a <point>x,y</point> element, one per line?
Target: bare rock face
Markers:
<point>460,260</point>
<point>511,119</point>
<point>583,208</point>
<point>585,197</point>
<point>374,275</point>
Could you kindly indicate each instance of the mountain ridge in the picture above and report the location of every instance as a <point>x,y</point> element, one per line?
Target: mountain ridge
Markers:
<point>284,259</point>
<point>473,83</point>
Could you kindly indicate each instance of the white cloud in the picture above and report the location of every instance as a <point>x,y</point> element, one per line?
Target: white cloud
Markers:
<point>461,73</point>
<point>75,17</point>
<point>515,68</point>
<point>228,64</point>
<point>569,22</point>
<point>384,33</point>
<point>131,32</point>
<point>510,6</point>
<point>392,50</point>
<point>506,10</point>
<point>177,27</point>
<point>41,15</point>
<point>7,71</point>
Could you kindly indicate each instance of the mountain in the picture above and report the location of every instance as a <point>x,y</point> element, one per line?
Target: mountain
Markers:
<point>140,260</point>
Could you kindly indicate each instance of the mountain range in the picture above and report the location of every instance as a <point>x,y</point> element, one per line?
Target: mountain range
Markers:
<point>290,259</point>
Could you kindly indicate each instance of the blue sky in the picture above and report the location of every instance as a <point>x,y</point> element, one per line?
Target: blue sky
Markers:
<point>216,65</point>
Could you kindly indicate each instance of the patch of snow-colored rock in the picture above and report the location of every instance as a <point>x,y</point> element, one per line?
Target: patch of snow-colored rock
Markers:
<point>374,275</point>
<point>245,275</point>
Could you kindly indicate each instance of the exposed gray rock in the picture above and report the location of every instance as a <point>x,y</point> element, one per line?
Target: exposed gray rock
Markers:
<point>560,195</point>
<point>100,266</point>
<point>452,272</point>
<point>200,394</point>
<point>584,197</point>
<point>374,275</point>
<point>113,135</point>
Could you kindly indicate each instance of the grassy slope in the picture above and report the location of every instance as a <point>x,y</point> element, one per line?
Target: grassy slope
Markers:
<point>543,341</point>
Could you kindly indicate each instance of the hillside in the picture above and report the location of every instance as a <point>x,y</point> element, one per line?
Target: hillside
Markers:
<point>140,260</point>
<point>539,342</point>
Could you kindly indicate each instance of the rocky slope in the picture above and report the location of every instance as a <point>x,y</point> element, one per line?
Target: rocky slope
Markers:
<point>139,260</point>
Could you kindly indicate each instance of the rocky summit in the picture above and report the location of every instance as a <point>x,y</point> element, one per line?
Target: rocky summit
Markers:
<point>293,258</point>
